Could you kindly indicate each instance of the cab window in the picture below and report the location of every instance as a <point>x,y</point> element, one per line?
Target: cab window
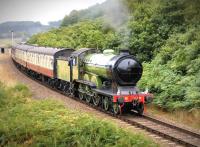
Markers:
<point>74,61</point>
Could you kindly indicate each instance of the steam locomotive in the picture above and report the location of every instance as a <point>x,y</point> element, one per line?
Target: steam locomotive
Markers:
<point>105,79</point>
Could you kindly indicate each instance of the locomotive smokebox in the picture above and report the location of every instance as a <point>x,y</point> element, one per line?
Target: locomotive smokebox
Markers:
<point>127,70</point>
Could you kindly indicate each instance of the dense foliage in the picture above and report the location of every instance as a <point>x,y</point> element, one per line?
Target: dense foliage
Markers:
<point>164,35</point>
<point>175,72</point>
<point>83,34</point>
<point>28,122</point>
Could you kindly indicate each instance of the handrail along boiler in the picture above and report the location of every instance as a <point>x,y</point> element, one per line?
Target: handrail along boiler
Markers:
<point>104,79</point>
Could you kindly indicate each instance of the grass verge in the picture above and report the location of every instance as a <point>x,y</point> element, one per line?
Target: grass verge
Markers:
<point>28,122</point>
<point>189,118</point>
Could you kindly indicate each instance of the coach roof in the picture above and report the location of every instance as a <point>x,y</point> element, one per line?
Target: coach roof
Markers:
<point>22,47</point>
<point>44,50</point>
<point>40,50</point>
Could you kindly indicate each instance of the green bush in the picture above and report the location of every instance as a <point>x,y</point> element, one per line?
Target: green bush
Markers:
<point>28,122</point>
<point>175,72</point>
<point>91,34</point>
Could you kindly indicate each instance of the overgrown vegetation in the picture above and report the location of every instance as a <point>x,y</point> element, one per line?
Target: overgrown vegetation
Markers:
<point>28,122</point>
<point>174,74</point>
<point>164,35</point>
<point>84,34</point>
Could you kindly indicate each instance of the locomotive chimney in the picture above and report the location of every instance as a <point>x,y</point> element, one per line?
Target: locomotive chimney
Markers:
<point>124,52</point>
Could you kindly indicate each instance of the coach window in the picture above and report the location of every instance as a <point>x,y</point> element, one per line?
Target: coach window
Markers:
<point>45,61</point>
<point>51,63</point>
<point>35,59</point>
<point>41,60</point>
<point>32,57</point>
<point>29,57</point>
<point>38,59</point>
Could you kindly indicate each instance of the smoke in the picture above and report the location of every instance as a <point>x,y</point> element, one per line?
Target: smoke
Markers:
<point>116,13</point>
<point>116,16</point>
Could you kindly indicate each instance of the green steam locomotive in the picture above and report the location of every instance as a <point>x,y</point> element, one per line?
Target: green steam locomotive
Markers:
<point>107,80</point>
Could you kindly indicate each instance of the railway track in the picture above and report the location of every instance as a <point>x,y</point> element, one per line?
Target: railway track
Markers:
<point>153,125</point>
<point>166,130</point>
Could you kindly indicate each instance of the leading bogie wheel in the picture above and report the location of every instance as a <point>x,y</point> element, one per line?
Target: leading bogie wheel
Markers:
<point>116,108</point>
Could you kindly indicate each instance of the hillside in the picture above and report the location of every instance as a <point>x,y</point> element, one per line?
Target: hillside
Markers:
<point>24,28</point>
<point>164,35</point>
